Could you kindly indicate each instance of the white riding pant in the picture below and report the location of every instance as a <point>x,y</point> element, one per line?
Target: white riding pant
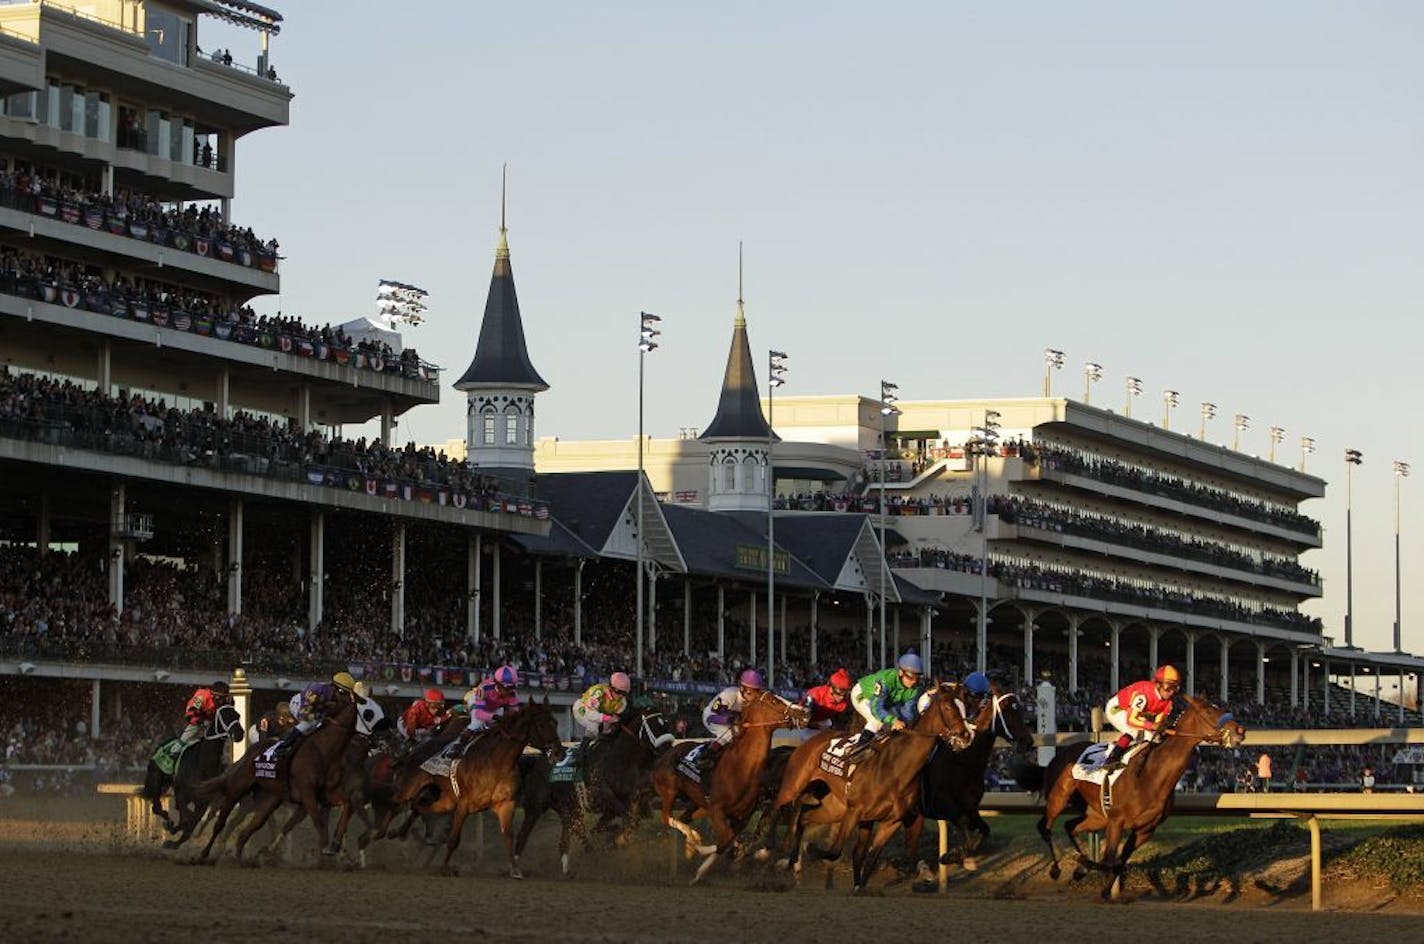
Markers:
<point>866,710</point>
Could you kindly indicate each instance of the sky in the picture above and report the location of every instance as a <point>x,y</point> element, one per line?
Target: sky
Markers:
<point>1222,199</point>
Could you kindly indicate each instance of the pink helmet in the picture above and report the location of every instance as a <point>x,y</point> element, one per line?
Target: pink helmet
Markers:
<point>751,678</point>
<point>505,675</point>
<point>620,682</point>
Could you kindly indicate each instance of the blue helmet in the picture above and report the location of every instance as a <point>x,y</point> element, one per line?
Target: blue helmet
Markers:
<point>977,683</point>
<point>910,662</point>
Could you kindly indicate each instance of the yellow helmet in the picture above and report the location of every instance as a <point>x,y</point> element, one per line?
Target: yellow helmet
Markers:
<point>1168,674</point>
<point>362,690</point>
<point>344,680</point>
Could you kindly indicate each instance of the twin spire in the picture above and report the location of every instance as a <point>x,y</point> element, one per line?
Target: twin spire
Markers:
<point>739,413</point>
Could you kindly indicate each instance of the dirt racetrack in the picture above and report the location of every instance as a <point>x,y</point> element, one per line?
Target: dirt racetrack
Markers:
<point>65,879</point>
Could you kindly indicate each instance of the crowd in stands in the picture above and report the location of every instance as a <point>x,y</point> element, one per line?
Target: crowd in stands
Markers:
<point>62,412</point>
<point>137,215</point>
<point>1140,478</point>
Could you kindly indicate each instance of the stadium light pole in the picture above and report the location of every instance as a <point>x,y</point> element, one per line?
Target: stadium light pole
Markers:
<point>1307,446</point>
<point>1353,457</point>
<point>887,410</point>
<point>1401,472</point>
<point>1092,373</point>
<point>982,445</point>
<point>647,332</point>
<point>1169,403</point>
<point>1134,389</point>
<point>775,377</point>
<point>1208,412</point>
<point>1241,423</point>
<point>1278,435</point>
<point>1052,360</point>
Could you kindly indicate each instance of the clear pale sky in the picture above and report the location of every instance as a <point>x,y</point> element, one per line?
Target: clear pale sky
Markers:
<point>1220,198</point>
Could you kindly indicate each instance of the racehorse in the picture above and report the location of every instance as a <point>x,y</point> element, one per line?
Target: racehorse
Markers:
<point>733,786</point>
<point>310,774</point>
<point>196,764</point>
<point>879,790</point>
<point>952,784</point>
<point>383,774</point>
<point>616,783</point>
<point>485,776</point>
<point>1142,795</point>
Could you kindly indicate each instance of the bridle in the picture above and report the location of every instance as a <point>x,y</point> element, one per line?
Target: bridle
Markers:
<point>792,715</point>
<point>1217,736</point>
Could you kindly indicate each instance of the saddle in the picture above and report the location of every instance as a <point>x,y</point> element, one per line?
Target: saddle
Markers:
<point>1089,766</point>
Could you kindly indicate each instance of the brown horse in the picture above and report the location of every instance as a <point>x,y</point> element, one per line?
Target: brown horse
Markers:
<point>484,777</point>
<point>1142,795</point>
<point>310,775</point>
<point>881,789</point>
<point>952,784</point>
<point>730,791</point>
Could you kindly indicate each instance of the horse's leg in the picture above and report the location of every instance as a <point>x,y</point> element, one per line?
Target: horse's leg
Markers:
<point>299,813</point>
<point>266,804</point>
<point>505,812</point>
<point>227,804</point>
<point>1114,886</point>
<point>457,825</point>
<point>347,807</point>
<point>1055,802</point>
<point>668,795</point>
<point>526,826</point>
<point>885,830</point>
<point>725,835</point>
<point>913,829</point>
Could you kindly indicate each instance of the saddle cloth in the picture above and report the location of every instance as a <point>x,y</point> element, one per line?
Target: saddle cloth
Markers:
<point>1089,766</point>
<point>165,761</point>
<point>570,769</point>
<point>835,758</point>
<point>439,765</point>
<point>687,767</point>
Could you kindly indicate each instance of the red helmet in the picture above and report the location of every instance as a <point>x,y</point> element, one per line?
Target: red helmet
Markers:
<point>1167,674</point>
<point>435,696</point>
<point>840,678</point>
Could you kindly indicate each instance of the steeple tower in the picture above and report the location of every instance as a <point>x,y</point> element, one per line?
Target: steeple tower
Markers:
<point>500,384</point>
<point>738,436</point>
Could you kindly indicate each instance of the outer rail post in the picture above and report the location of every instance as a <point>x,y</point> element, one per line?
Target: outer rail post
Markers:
<point>943,850</point>
<point>1315,893</point>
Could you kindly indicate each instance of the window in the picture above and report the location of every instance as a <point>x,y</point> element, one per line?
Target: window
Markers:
<point>96,115</point>
<point>21,105</point>
<point>67,108</point>
<point>489,430</point>
<point>729,475</point>
<point>167,35</point>
<point>511,429</point>
<point>529,430</point>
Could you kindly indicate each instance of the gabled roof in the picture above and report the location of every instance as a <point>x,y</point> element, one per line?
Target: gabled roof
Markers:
<point>559,542</point>
<point>828,542</point>
<point>588,504</point>
<point>739,413</point>
<point>708,541</point>
<point>501,357</point>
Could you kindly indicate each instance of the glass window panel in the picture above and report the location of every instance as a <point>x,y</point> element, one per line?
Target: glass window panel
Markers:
<point>66,108</point>
<point>511,430</point>
<point>151,143</point>
<point>489,431</point>
<point>105,119</point>
<point>51,109</point>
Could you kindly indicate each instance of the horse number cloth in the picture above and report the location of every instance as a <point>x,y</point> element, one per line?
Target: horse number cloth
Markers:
<point>688,765</point>
<point>834,758</point>
<point>1089,767</point>
<point>165,761</point>
<point>570,768</point>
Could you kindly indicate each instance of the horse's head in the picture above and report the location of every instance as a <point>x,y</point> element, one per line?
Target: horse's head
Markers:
<point>541,729</point>
<point>1005,717</point>
<point>768,709</point>
<point>1195,716</point>
<point>939,711</point>
<point>648,726</point>
<point>369,716</point>
<point>226,724</point>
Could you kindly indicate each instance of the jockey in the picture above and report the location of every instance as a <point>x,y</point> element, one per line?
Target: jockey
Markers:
<point>424,716</point>
<point>487,701</point>
<point>599,708</point>
<point>202,708</point>
<point>1140,708</point>
<point>889,697</point>
<point>721,714</point>
<point>275,723</point>
<point>828,703</point>
<point>318,700</point>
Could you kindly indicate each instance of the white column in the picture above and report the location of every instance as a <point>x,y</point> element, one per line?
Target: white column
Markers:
<point>538,598</point>
<point>398,579</point>
<point>927,639</point>
<point>1401,696</point>
<point>752,626</point>
<point>1377,693</point>
<point>472,590</point>
<point>42,526</point>
<point>1325,683</point>
<point>869,631</point>
<point>1260,673</point>
<point>1191,661</point>
<point>235,515</point>
<point>578,601</point>
<point>388,422</point>
<point>1073,633</point>
<point>1114,650</point>
<point>1295,678</point>
<point>94,694</point>
<point>222,397</point>
<point>687,615</point>
<point>241,693</point>
<point>496,603</point>
<point>721,622</point>
<point>316,590</point>
<point>1354,672</point>
<point>815,614</point>
<point>105,368</point>
<point>117,517</point>
<point>652,609</point>
<point>1225,666</point>
<point>304,418</point>
<point>1153,635</point>
<point>1028,614</point>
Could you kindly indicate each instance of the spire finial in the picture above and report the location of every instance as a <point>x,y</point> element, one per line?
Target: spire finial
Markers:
<point>503,252</point>
<point>741,311</point>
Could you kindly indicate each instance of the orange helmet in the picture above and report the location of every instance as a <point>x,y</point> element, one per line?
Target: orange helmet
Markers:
<point>1167,674</point>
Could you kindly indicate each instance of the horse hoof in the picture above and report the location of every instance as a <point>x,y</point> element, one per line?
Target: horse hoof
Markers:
<point>170,844</point>
<point>515,873</point>
<point>1079,873</point>
<point>1054,871</point>
<point>970,864</point>
<point>762,855</point>
<point>783,864</point>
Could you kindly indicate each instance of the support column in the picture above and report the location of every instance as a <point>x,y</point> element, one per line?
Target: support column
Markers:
<point>1401,697</point>
<point>1191,661</point>
<point>927,639</point>
<point>752,626</point>
<point>652,610</point>
<point>241,692</point>
<point>42,527</point>
<point>472,590</point>
<point>894,628</point>
<point>1225,667</point>
<point>1073,633</point>
<point>1028,645</point>
<point>1354,672</point>
<point>316,587</point>
<point>388,423</point>
<point>538,598</point>
<point>235,515</point>
<point>398,579</point>
<point>815,615</point>
<point>1325,684</point>
<point>1295,678</point>
<point>578,601</point>
<point>104,370</point>
<point>1377,692</point>
<point>1114,649</point>
<point>1154,634</point>
<point>869,630</point>
<point>117,518</point>
<point>94,694</point>
<point>304,407</point>
<point>783,628</point>
<point>1260,673</point>
<point>222,396</point>
<point>496,602</point>
<point>1305,683</point>
<point>721,622</point>
<point>687,615</point>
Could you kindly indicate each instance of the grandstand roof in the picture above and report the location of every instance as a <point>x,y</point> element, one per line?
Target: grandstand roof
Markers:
<point>709,541</point>
<point>588,504</point>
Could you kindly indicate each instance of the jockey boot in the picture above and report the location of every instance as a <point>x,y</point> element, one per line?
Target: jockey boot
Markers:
<point>708,758</point>
<point>1112,760</point>
<point>863,740</point>
<point>288,742</point>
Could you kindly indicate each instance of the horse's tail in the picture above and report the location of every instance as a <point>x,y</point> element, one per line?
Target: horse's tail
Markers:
<point>1029,776</point>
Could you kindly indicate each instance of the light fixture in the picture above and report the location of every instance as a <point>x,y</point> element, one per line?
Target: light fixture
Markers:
<point>1052,360</point>
<point>1307,446</point>
<point>1208,411</point>
<point>1092,373</point>
<point>1134,389</point>
<point>1169,403</point>
<point>1242,423</point>
<point>1278,436</point>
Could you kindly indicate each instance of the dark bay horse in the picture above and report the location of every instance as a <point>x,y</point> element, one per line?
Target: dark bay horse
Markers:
<point>485,777</point>
<point>309,774</point>
<point>1142,795</point>
<point>952,784</point>
<point>731,790</point>
<point>881,790</point>
<point>617,769</point>
<point>200,762</point>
